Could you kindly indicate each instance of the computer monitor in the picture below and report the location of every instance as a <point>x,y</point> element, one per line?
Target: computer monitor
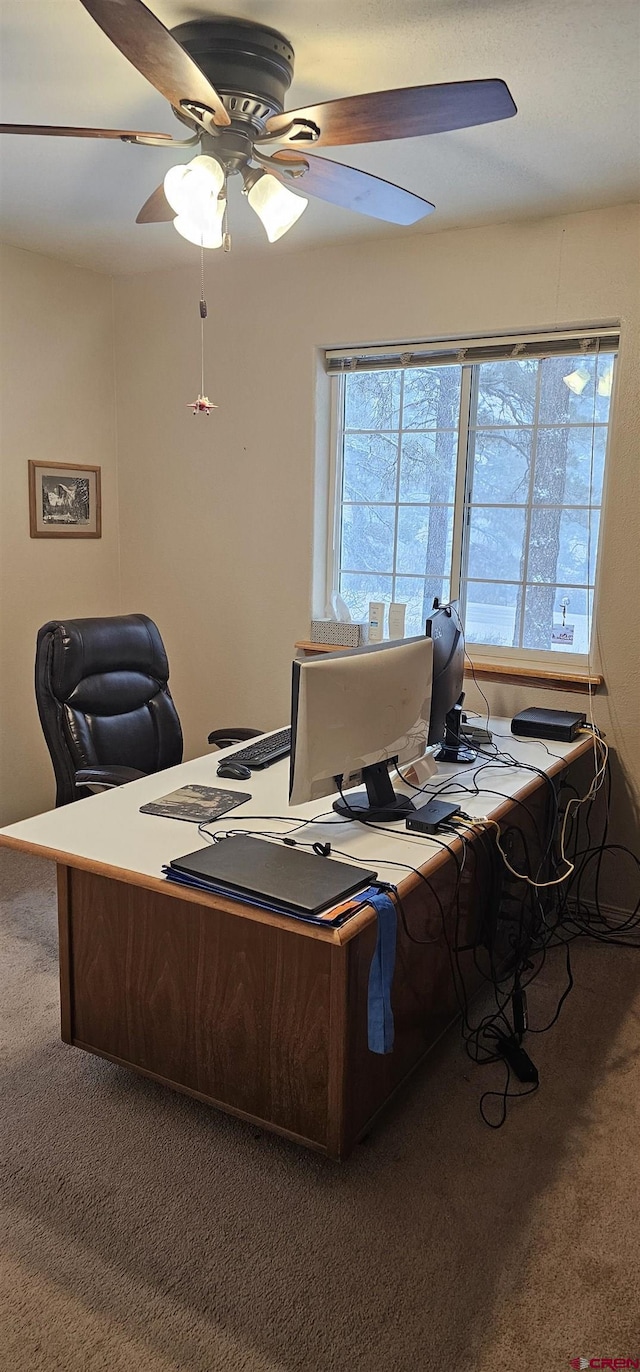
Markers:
<point>444,628</point>
<point>353,713</point>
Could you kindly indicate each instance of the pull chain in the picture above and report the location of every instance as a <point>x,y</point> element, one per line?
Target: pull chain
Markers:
<point>203,315</point>
<point>202,405</point>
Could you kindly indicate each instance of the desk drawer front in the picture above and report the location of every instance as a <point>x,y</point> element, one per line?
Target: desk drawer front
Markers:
<point>231,1008</point>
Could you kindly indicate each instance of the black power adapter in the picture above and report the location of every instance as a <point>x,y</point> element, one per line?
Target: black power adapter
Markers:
<point>518,1060</point>
<point>428,818</point>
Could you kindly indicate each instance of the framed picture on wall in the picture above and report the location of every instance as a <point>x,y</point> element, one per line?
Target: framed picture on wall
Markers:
<point>64,500</point>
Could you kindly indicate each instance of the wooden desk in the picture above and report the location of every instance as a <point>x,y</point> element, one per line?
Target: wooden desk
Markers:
<point>262,1016</point>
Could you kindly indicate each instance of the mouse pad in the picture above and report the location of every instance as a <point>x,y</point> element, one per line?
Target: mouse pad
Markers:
<point>197,803</point>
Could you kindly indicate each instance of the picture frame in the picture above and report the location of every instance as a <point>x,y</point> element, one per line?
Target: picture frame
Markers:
<point>64,500</point>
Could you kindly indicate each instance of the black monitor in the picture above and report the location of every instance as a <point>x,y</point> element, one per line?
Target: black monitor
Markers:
<point>444,628</point>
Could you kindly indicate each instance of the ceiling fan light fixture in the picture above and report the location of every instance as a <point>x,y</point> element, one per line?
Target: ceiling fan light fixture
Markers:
<point>577,380</point>
<point>193,190</point>
<point>205,230</point>
<point>605,382</point>
<point>277,208</point>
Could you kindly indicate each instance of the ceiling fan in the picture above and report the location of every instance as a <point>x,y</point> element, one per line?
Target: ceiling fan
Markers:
<point>226,79</point>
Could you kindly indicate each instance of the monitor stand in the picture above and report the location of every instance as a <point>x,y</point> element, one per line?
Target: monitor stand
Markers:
<point>454,749</point>
<point>379,802</point>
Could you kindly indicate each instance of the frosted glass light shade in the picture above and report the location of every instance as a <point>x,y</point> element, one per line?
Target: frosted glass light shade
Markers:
<point>275,206</point>
<point>576,381</point>
<point>605,382</point>
<point>205,230</point>
<point>192,189</point>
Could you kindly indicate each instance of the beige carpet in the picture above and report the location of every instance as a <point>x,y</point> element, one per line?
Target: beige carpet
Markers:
<point>144,1232</point>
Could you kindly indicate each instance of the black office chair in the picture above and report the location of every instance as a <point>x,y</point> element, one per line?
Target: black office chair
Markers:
<point>105,706</point>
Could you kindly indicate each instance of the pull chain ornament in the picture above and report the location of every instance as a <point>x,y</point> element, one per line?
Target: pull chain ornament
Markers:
<point>203,405</point>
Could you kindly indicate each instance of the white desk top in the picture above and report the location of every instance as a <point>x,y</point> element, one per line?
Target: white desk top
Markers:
<point>107,833</point>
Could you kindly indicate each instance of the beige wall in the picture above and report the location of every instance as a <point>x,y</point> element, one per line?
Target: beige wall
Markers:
<point>57,404</point>
<point>217,513</point>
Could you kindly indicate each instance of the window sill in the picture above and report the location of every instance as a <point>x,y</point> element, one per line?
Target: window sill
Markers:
<point>309,648</point>
<point>521,675</point>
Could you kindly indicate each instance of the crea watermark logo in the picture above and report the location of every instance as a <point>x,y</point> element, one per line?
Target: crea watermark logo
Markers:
<point>614,1364</point>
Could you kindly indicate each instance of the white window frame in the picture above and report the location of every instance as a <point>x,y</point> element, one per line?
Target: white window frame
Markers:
<point>404,355</point>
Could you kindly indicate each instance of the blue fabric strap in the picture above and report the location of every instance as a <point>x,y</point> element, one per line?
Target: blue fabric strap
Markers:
<point>380,1025</point>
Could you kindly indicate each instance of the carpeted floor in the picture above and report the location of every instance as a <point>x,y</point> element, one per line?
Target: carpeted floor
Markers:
<point>144,1232</point>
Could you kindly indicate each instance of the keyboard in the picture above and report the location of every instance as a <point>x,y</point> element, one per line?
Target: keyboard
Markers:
<point>265,750</point>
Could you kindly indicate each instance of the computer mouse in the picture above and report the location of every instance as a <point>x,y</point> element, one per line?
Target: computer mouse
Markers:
<point>236,770</point>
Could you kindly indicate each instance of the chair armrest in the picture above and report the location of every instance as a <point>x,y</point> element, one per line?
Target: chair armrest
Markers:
<point>104,778</point>
<point>224,737</point>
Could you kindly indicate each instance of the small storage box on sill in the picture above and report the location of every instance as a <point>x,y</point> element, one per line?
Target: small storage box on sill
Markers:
<point>337,632</point>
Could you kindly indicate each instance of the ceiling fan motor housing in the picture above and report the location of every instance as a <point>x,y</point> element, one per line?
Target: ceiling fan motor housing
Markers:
<point>251,66</point>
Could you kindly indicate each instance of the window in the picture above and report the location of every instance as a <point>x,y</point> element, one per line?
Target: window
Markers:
<point>478,476</point>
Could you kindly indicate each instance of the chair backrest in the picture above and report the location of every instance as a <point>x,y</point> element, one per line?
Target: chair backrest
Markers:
<point>103,698</point>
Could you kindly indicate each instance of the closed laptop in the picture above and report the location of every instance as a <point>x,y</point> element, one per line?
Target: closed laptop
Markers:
<point>288,877</point>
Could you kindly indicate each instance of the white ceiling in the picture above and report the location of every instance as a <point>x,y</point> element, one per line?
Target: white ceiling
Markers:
<point>573,67</point>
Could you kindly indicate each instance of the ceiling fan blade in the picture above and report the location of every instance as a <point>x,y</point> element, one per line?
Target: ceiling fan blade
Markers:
<point>156,53</point>
<point>156,210</point>
<point>406,113</point>
<point>352,189</point>
<point>50,131</point>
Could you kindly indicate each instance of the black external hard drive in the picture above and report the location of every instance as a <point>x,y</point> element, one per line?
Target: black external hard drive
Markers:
<point>562,725</point>
<point>428,818</point>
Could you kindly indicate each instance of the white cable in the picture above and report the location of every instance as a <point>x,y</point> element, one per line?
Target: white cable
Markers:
<point>575,803</point>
